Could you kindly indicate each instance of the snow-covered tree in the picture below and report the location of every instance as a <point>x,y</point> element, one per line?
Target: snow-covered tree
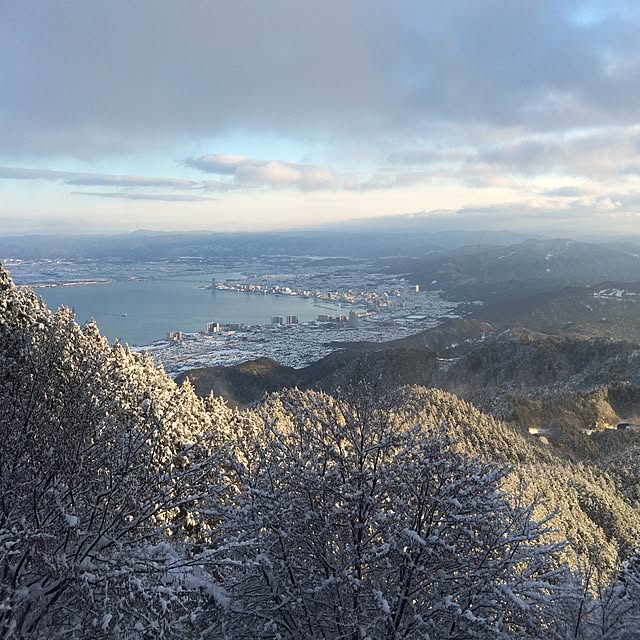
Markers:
<point>353,524</point>
<point>109,481</point>
<point>598,608</point>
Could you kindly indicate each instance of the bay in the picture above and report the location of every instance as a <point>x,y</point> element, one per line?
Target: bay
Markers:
<point>139,312</point>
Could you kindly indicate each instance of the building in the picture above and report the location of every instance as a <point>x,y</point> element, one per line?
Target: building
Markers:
<point>213,283</point>
<point>292,320</point>
<point>213,327</point>
<point>174,336</point>
<point>323,317</point>
<point>417,288</point>
<point>277,320</point>
<point>353,319</point>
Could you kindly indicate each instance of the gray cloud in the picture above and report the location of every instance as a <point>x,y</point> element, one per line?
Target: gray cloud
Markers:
<point>219,185</point>
<point>130,187</point>
<point>87,78</point>
<point>415,156</point>
<point>568,192</point>
<point>95,179</point>
<point>602,154</point>
<point>130,181</point>
<point>391,179</point>
<point>19,173</point>
<point>531,217</point>
<point>588,214</point>
<point>157,197</point>
<point>612,151</point>
<point>107,180</point>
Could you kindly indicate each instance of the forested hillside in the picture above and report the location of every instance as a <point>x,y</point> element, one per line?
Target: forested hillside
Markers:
<point>132,508</point>
<point>571,388</point>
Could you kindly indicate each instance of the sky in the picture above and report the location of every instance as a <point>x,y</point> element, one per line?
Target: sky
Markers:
<point>252,115</point>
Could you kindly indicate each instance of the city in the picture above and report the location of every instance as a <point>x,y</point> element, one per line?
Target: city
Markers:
<point>355,301</point>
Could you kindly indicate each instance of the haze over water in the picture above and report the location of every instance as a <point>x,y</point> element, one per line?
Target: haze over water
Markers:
<point>154,307</point>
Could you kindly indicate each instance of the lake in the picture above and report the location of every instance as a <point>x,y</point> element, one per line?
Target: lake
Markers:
<point>141,311</point>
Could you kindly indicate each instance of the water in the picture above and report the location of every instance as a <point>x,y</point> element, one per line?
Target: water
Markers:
<point>154,307</point>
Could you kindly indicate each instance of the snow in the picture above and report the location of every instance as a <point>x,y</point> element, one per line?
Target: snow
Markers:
<point>106,619</point>
<point>414,536</point>
<point>617,294</point>
<point>381,602</point>
<point>71,520</point>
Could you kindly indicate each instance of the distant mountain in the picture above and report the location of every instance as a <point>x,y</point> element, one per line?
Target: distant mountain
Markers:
<point>442,232</point>
<point>538,264</point>
<point>363,241</point>
<point>549,285</point>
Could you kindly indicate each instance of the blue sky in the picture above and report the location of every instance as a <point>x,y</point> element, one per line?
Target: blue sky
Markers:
<point>261,115</point>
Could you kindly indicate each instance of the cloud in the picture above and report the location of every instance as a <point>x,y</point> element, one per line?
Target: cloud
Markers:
<point>246,173</point>
<point>391,179</point>
<point>219,185</point>
<point>270,173</point>
<point>286,174</point>
<point>568,192</point>
<point>424,156</point>
<point>129,187</point>
<point>130,181</point>
<point>401,100</point>
<point>609,151</point>
<point>605,153</point>
<point>363,70</point>
<point>218,163</point>
<point>541,216</point>
<point>158,197</point>
<point>95,179</point>
<point>19,173</point>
